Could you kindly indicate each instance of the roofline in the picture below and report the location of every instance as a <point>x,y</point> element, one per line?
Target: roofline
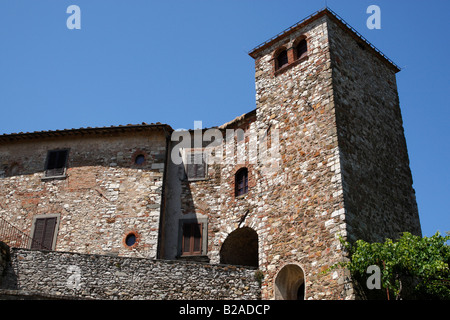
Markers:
<point>13,137</point>
<point>336,18</point>
<point>236,120</point>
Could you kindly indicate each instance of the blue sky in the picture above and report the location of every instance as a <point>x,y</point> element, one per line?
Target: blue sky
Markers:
<point>177,61</point>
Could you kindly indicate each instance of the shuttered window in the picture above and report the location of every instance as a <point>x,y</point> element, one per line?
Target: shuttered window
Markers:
<point>44,230</point>
<point>192,239</point>
<point>56,163</point>
<point>196,166</point>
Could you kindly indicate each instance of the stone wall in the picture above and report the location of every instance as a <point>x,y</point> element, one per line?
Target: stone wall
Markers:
<point>103,197</point>
<point>303,202</point>
<point>378,194</point>
<point>64,274</point>
<point>212,200</point>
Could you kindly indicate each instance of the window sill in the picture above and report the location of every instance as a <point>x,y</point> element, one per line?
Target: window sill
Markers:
<point>242,196</point>
<point>62,177</point>
<point>290,65</point>
<point>196,179</point>
<point>195,258</point>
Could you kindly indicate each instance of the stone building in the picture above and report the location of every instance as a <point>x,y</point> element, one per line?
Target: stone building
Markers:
<point>322,155</point>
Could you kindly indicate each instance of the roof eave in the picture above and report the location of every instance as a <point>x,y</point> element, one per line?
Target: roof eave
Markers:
<point>341,22</point>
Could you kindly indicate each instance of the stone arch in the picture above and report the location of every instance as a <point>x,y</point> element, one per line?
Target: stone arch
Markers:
<point>290,283</point>
<point>300,47</point>
<point>240,248</point>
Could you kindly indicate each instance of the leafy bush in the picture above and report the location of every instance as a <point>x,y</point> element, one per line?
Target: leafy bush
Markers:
<point>424,259</point>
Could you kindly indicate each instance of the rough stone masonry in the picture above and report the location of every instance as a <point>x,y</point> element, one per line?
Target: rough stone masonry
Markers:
<point>328,114</point>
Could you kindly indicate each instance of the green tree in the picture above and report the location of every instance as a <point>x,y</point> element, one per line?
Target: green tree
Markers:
<point>423,260</point>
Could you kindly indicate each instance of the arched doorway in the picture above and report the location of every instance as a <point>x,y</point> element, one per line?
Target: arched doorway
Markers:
<point>290,283</point>
<point>240,248</point>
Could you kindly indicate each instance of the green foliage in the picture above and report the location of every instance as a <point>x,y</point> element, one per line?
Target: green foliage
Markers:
<point>426,260</point>
<point>259,276</point>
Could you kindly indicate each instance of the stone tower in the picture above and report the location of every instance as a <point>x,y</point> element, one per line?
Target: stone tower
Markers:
<point>344,167</point>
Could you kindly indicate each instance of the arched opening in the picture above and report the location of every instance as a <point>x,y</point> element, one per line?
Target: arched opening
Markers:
<point>240,248</point>
<point>290,283</point>
<point>301,49</point>
<point>282,59</point>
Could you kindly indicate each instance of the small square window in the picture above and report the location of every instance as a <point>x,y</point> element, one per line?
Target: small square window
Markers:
<point>195,167</point>
<point>56,163</point>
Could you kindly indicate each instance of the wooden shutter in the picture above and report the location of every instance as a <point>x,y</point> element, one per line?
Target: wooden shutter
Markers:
<point>186,238</point>
<point>38,235</point>
<point>192,239</point>
<point>44,230</point>
<point>56,163</point>
<point>196,238</point>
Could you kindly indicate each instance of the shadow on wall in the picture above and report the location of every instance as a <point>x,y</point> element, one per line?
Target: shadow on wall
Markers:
<point>8,278</point>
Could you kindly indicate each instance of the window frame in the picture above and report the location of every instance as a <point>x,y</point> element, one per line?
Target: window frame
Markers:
<point>47,172</point>
<point>296,47</point>
<point>241,177</point>
<point>54,233</point>
<point>277,59</point>
<point>189,154</point>
<point>291,50</point>
<point>193,228</point>
<point>203,222</point>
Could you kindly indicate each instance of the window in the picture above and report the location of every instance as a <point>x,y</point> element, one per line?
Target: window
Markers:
<point>282,59</point>
<point>44,233</point>
<point>192,239</point>
<point>140,159</point>
<point>196,166</point>
<point>130,239</point>
<point>241,182</point>
<point>301,49</point>
<point>55,165</point>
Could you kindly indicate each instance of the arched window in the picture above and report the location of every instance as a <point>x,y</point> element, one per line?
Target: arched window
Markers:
<point>301,49</point>
<point>282,59</point>
<point>241,182</point>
